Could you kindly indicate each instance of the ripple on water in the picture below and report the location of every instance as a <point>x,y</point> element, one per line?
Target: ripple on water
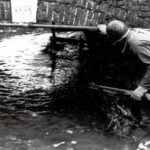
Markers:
<point>22,57</point>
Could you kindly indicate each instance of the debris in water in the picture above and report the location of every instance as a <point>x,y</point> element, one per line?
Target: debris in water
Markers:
<point>13,138</point>
<point>81,131</point>
<point>58,144</point>
<point>70,149</point>
<point>34,115</point>
<point>70,131</point>
<point>74,142</point>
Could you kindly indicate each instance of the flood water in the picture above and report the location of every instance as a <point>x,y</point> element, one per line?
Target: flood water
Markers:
<point>26,123</point>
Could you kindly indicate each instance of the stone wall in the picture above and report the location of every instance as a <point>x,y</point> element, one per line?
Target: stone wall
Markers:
<point>87,12</point>
<point>5,10</point>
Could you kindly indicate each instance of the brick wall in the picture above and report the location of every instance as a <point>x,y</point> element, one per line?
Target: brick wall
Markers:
<point>87,12</point>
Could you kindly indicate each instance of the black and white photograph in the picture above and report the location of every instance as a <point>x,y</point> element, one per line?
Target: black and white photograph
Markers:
<point>74,74</point>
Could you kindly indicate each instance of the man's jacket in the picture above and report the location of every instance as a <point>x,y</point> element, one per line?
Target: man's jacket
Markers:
<point>139,42</point>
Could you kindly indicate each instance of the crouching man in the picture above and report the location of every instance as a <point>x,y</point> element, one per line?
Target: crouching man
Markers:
<point>139,43</point>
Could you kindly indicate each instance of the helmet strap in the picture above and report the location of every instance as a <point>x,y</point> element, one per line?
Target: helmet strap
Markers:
<point>124,48</point>
<point>123,36</point>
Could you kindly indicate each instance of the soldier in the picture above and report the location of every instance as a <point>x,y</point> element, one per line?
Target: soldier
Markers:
<point>139,42</point>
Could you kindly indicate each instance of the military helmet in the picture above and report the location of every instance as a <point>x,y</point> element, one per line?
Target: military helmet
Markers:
<point>116,30</point>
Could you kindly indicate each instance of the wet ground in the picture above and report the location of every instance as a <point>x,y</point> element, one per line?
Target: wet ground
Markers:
<point>26,123</point>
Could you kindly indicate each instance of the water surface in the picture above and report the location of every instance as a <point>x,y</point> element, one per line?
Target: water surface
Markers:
<point>26,123</point>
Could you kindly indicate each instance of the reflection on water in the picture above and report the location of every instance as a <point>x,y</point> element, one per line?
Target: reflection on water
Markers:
<point>22,61</point>
<point>24,83</point>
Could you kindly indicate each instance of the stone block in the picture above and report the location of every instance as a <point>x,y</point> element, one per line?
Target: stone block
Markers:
<point>147,19</point>
<point>79,3</point>
<point>105,8</point>
<point>129,4</point>
<point>83,3</point>
<point>67,15</point>
<point>95,19</point>
<point>65,20</point>
<point>144,14</point>
<point>94,6</point>
<point>102,17</point>
<point>131,18</point>
<point>120,3</point>
<point>146,24</point>
<point>68,1</point>
<point>77,18</point>
<point>90,14</point>
<point>139,22</point>
<point>58,1</point>
<point>82,16</point>
<point>98,19</point>
<point>55,17</point>
<point>74,2</point>
<point>89,5</point>
<point>67,9</point>
<point>128,16</point>
<point>56,8</point>
<point>8,16</point>
<point>139,13</point>
<point>113,11</point>
<point>2,11</point>
<point>89,20</point>
<point>70,20</point>
<point>122,14</point>
<point>144,8</point>
<point>50,11</point>
<point>61,15</point>
<point>136,8</point>
<point>119,13</point>
<point>42,12</point>
<point>72,16</point>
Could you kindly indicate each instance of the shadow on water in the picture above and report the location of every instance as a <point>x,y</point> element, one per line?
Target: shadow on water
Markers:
<point>45,104</point>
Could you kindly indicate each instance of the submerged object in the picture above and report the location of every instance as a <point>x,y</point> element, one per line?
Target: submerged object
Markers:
<point>58,144</point>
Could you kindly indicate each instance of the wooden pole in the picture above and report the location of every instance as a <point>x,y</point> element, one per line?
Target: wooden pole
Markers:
<point>115,90</point>
<point>55,27</point>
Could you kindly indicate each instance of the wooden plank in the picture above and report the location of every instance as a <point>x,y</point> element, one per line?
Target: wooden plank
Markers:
<point>55,27</point>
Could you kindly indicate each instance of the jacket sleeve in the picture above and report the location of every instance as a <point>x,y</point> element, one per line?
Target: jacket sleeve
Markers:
<point>143,51</point>
<point>146,79</point>
<point>141,47</point>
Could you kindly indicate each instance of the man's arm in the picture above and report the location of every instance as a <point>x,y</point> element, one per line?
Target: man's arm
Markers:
<point>142,50</point>
<point>143,87</point>
<point>145,83</point>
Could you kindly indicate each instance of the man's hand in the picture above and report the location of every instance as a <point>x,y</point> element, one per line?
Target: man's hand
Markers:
<point>138,93</point>
<point>102,29</point>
